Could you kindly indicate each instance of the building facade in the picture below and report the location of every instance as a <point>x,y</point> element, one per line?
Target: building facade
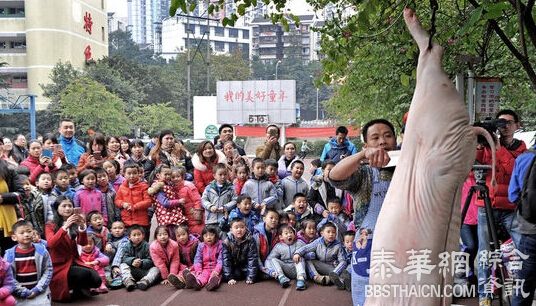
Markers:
<point>37,34</point>
<point>270,42</point>
<point>223,40</point>
<point>144,18</point>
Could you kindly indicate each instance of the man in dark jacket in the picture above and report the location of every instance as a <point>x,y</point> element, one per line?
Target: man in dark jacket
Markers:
<point>239,254</point>
<point>20,152</point>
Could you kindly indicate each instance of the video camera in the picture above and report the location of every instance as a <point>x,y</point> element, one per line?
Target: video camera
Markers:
<point>491,125</point>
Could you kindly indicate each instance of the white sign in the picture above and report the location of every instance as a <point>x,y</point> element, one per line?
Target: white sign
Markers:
<point>204,115</point>
<point>487,97</point>
<point>263,102</point>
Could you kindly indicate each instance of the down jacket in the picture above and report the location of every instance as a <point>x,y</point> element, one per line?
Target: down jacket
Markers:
<point>504,167</point>
<point>165,258</point>
<point>239,256</point>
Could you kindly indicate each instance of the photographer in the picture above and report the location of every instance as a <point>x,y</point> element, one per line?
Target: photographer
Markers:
<point>503,210</point>
<point>270,148</point>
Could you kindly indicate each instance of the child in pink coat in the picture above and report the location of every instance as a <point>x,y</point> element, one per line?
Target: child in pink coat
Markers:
<point>165,254</point>
<point>208,263</point>
<point>7,284</point>
<point>93,258</point>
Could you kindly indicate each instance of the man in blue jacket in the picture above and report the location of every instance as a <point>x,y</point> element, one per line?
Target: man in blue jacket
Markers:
<point>525,284</point>
<point>339,147</point>
<point>72,147</point>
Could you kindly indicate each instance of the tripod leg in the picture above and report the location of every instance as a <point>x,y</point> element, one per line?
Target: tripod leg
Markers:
<point>467,203</point>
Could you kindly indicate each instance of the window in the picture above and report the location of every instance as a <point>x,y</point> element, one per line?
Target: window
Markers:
<point>305,51</point>
<point>219,31</point>
<point>102,34</point>
<point>219,46</point>
<point>3,45</point>
<point>233,32</point>
<point>245,34</point>
<point>203,29</point>
<point>18,45</point>
<point>102,4</point>
<point>189,28</point>
<point>233,47</point>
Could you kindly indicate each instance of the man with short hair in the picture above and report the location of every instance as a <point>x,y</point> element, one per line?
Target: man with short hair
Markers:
<point>270,148</point>
<point>72,147</point>
<point>20,152</point>
<point>339,147</point>
<point>226,133</point>
<point>368,184</point>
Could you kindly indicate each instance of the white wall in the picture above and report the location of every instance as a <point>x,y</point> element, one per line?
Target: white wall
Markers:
<point>204,114</point>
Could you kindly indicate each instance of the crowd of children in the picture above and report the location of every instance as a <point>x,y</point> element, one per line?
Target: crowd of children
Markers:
<point>239,226</point>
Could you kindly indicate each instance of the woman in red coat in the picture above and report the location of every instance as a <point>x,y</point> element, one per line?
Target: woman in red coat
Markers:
<point>36,162</point>
<point>206,158</point>
<point>63,236</point>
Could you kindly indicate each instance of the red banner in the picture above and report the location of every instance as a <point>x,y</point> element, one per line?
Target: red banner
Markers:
<point>294,132</point>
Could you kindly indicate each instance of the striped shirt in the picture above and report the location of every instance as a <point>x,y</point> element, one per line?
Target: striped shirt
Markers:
<point>26,269</point>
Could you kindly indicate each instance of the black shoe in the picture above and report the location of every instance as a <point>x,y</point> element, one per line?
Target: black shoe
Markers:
<point>213,283</point>
<point>191,281</point>
<point>175,281</point>
<point>336,280</point>
<point>130,285</point>
<point>142,285</point>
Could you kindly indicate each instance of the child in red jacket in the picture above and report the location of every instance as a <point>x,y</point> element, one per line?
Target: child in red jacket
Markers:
<point>133,200</point>
<point>187,192</point>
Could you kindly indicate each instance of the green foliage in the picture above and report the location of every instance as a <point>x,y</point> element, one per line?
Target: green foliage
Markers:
<point>90,105</point>
<point>156,117</point>
<point>370,56</point>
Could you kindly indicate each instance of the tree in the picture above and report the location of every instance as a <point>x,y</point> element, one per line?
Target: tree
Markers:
<point>115,83</point>
<point>366,45</point>
<point>156,117</point>
<point>90,105</point>
<point>121,44</point>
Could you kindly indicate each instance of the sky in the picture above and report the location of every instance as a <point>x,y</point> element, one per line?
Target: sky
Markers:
<point>297,7</point>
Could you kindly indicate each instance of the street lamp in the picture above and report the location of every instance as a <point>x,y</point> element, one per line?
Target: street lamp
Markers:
<point>276,66</point>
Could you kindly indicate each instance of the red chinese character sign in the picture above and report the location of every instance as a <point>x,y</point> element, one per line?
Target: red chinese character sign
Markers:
<point>262,101</point>
<point>487,97</point>
<point>88,23</point>
<point>87,53</point>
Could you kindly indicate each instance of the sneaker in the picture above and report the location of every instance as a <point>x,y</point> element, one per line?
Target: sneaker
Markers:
<point>176,281</point>
<point>336,280</point>
<point>94,291</point>
<point>191,281</point>
<point>284,281</point>
<point>213,283</point>
<point>130,284</point>
<point>318,279</point>
<point>301,285</point>
<point>142,285</point>
<point>116,283</point>
<point>102,289</point>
